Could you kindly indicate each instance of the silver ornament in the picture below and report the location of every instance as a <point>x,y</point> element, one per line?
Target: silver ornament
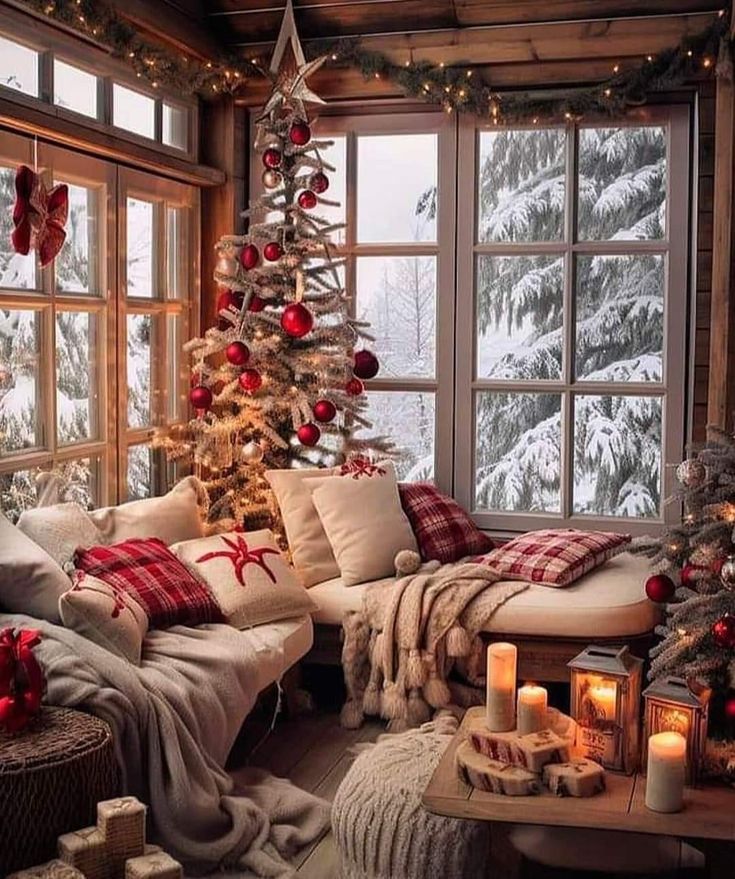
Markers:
<point>691,473</point>
<point>271,178</point>
<point>226,266</point>
<point>252,453</point>
<point>727,573</point>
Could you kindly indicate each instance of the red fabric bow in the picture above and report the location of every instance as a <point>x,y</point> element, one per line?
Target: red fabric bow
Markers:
<point>39,215</point>
<point>21,678</point>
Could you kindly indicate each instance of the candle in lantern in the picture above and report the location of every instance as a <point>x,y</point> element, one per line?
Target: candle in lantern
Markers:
<point>603,695</point>
<point>666,772</point>
<point>531,712</point>
<point>501,686</point>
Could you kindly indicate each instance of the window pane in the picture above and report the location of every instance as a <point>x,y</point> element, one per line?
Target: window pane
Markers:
<point>77,262</point>
<point>617,456</point>
<point>622,182</point>
<point>521,185</point>
<point>75,89</point>
<point>398,296</point>
<point>80,484</point>
<point>517,452</point>
<point>18,67</point>
<point>519,317</point>
<point>177,253</point>
<point>178,373</point>
<point>140,255</point>
<point>133,111</point>
<point>77,400</point>
<point>140,471</point>
<point>408,419</point>
<point>336,156</point>
<point>16,271</point>
<point>140,369</point>
<point>620,318</point>
<point>81,480</point>
<point>396,187</point>
<point>17,492</point>
<point>20,426</point>
<point>175,120</point>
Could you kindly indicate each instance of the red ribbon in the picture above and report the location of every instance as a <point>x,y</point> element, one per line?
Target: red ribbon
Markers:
<point>21,678</point>
<point>39,215</point>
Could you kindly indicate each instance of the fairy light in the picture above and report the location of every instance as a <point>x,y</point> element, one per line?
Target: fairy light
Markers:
<point>649,58</point>
<point>447,89</point>
<point>334,56</point>
<point>469,74</point>
<point>462,93</point>
<point>706,62</point>
<point>406,63</point>
<point>689,53</point>
<point>608,92</point>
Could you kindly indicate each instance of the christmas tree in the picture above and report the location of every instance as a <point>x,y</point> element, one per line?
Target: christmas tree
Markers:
<point>278,382</point>
<point>695,578</point>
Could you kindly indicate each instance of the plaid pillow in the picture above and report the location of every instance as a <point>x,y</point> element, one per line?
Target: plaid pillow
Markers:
<point>443,530</point>
<point>161,584</point>
<point>555,557</point>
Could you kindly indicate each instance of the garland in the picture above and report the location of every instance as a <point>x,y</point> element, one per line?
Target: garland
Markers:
<point>454,88</point>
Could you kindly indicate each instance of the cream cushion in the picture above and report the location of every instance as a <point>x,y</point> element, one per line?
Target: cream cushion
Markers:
<point>250,579</point>
<point>112,619</point>
<point>60,529</point>
<point>364,522</point>
<point>278,646</point>
<point>311,553</point>
<point>171,518</point>
<point>608,602</point>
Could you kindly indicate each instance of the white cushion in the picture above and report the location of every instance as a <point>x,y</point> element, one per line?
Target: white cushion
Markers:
<point>171,518</point>
<point>311,553</point>
<point>31,582</point>
<point>60,529</point>
<point>250,579</point>
<point>608,602</point>
<point>364,521</point>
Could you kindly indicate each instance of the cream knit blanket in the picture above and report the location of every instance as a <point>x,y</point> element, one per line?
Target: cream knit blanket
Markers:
<point>401,646</point>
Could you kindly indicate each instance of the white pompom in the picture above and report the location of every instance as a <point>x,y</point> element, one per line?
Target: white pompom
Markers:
<point>406,562</point>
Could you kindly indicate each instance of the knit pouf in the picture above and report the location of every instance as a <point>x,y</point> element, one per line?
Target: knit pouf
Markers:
<point>380,828</point>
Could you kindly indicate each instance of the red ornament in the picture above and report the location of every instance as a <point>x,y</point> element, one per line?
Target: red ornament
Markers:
<point>660,588</point>
<point>39,215</point>
<point>237,353</point>
<point>307,200</point>
<point>297,320</point>
<point>324,410</point>
<point>366,364</point>
<point>273,251</point>
<point>256,303</point>
<point>319,182</point>
<point>689,575</point>
<point>730,707</point>
<point>300,134</point>
<point>272,158</point>
<point>249,256</point>
<point>250,380</point>
<point>308,434</point>
<point>229,299</point>
<point>21,679</point>
<point>354,387</point>
<point>723,632</point>
<point>716,566</point>
<point>200,397</point>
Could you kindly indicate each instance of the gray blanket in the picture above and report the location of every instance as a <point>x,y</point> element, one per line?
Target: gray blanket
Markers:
<point>174,720</point>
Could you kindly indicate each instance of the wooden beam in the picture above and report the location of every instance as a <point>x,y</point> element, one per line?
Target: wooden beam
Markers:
<point>175,22</point>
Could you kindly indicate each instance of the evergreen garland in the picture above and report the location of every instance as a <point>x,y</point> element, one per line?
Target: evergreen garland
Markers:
<point>455,88</point>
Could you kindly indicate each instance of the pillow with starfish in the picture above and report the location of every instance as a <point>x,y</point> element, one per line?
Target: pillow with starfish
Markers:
<point>250,579</point>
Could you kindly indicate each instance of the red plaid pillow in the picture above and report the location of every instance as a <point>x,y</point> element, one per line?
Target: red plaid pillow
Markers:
<point>555,557</point>
<point>161,584</point>
<point>443,530</point>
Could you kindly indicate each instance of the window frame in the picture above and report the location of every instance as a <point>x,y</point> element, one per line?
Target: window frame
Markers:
<point>674,247</point>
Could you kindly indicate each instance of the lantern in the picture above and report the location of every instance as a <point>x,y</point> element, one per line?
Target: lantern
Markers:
<point>605,699</point>
<point>673,705</point>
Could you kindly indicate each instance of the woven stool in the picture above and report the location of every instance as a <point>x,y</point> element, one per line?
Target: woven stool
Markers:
<point>52,775</point>
<point>380,828</point>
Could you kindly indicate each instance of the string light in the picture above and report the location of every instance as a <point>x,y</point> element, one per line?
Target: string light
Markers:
<point>706,62</point>
<point>608,92</point>
<point>649,58</point>
<point>616,68</point>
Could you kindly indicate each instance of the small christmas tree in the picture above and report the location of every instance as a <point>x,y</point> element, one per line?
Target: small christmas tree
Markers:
<point>695,577</point>
<point>278,383</point>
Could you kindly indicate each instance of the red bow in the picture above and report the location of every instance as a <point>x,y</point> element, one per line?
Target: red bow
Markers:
<point>39,215</point>
<point>21,678</point>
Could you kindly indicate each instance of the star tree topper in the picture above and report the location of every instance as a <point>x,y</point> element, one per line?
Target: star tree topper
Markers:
<point>289,70</point>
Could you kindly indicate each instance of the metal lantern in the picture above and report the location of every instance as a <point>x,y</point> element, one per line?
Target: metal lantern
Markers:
<point>605,698</point>
<point>673,705</point>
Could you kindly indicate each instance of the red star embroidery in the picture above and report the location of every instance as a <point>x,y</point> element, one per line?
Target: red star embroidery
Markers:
<point>358,466</point>
<point>240,556</point>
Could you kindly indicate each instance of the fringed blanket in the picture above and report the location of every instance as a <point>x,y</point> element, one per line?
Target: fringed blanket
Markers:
<point>400,648</point>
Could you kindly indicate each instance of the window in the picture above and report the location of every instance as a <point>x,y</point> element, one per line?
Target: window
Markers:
<point>175,120</point>
<point>133,111</point>
<point>18,67</point>
<point>570,398</point>
<point>75,89</point>
<point>75,352</point>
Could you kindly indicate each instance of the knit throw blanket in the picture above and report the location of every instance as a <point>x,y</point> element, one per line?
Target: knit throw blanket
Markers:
<point>400,648</point>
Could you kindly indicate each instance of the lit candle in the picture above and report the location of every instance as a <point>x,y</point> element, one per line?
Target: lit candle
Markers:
<point>501,686</point>
<point>603,696</point>
<point>667,758</point>
<point>531,712</point>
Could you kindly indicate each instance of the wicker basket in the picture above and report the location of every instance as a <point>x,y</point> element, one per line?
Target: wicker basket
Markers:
<point>51,777</point>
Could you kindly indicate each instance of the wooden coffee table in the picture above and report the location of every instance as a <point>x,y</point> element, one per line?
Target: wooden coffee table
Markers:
<point>707,820</point>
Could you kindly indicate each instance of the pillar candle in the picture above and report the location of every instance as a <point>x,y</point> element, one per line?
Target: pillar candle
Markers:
<point>501,686</point>
<point>531,712</point>
<point>666,772</point>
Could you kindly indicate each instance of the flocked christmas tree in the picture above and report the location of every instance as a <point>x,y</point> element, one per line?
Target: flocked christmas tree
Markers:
<point>278,382</point>
<point>695,578</point>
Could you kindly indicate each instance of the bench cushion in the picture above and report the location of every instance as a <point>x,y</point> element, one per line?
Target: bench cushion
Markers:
<point>279,646</point>
<point>608,602</point>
